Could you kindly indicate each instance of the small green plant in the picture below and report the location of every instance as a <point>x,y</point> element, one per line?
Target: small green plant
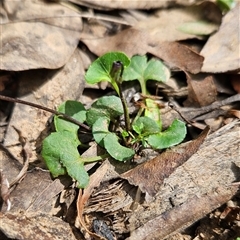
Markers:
<point>60,149</point>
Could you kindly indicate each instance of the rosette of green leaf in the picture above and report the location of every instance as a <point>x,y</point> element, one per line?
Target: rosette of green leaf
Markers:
<point>107,106</point>
<point>110,141</point>
<point>100,69</point>
<point>71,108</point>
<point>175,134</point>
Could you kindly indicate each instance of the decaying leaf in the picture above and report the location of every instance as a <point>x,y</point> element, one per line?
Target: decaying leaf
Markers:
<point>202,90</point>
<point>38,35</point>
<point>174,24</point>
<point>178,55</point>
<point>221,51</point>
<point>149,176</point>
<point>136,4</point>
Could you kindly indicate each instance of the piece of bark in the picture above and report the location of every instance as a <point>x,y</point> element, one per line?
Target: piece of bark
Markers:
<point>175,219</point>
<point>31,226</point>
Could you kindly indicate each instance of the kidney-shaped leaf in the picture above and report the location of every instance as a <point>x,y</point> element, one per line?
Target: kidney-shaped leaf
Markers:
<point>71,108</point>
<point>146,125</point>
<point>100,130</point>
<point>107,106</point>
<point>60,154</point>
<point>170,137</point>
<point>55,146</point>
<point>115,149</point>
<point>101,67</point>
<point>142,70</point>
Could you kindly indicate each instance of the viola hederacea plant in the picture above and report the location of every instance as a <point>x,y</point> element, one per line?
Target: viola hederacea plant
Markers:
<point>60,148</point>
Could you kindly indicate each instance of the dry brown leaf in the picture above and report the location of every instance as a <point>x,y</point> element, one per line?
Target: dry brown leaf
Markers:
<point>150,175</point>
<point>221,51</point>
<point>235,81</point>
<point>177,55</point>
<point>165,24</point>
<point>33,226</point>
<point>135,4</point>
<point>38,35</point>
<point>132,41</point>
<point>202,90</point>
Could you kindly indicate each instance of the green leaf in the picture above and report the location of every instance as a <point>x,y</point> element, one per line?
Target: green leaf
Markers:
<point>226,5</point>
<point>54,146</point>
<point>100,130</point>
<point>170,137</point>
<point>152,111</point>
<point>146,126</point>
<point>198,27</point>
<point>73,109</point>
<point>115,149</point>
<point>100,69</point>
<point>61,154</point>
<point>107,106</point>
<point>75,169</point>
<point>142,70</point>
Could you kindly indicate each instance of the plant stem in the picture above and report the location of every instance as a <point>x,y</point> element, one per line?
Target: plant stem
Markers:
<point>125,109</point>
<point>60,114</point>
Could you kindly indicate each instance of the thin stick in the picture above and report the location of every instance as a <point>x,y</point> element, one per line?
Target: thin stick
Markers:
<point>60,114</point>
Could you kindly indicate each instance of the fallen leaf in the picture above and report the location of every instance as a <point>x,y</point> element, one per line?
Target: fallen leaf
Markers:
<point>177,55</point>
<point>174,24</point>
<point>202,90</point>
<point>150,175</point>
<point>136,4</point>
<point>235,81</point>
<point>40,35</point>
<point>221,50</point>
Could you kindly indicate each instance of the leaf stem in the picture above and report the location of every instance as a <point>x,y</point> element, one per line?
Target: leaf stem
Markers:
<point>95,158</point>
<point>63,115</point>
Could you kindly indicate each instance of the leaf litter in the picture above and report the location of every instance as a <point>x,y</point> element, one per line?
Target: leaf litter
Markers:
<point>48,37</point>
